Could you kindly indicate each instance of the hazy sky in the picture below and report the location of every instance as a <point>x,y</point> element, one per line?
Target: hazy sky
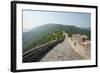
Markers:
<point>33,19</point>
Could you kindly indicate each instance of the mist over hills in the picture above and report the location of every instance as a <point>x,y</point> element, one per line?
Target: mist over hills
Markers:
<point>38,34</point>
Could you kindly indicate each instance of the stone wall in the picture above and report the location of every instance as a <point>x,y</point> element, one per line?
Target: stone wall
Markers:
<point>38,53</point>
<point>81,46</point>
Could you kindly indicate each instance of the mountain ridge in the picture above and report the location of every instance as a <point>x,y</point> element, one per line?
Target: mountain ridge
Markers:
<point>37,35</point>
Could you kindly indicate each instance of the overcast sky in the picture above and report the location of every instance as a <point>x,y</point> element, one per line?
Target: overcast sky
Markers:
<point>33,19</point>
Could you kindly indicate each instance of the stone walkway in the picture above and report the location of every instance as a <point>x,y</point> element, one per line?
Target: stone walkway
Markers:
<point>62,52</point>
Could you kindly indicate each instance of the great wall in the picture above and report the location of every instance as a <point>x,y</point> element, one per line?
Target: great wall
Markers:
<point>76,47</point>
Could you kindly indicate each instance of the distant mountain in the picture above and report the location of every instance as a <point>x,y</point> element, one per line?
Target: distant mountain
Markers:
<point>73,29</point>
<point>84,28</point>
<point>37,35</point>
